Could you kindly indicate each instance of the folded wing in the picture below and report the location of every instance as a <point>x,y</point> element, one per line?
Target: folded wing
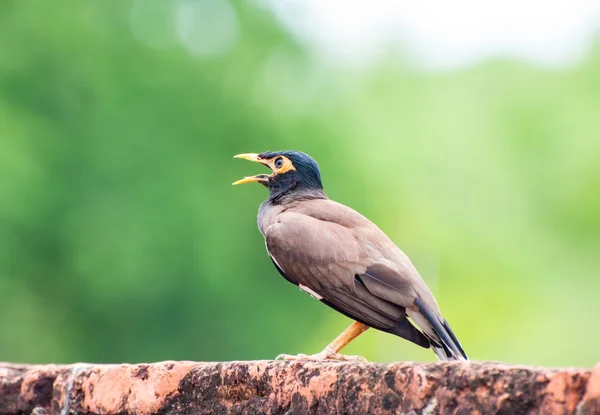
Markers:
<point>334,263</point>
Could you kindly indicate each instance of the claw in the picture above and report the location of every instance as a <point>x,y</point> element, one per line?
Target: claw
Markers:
<point>322,356</point>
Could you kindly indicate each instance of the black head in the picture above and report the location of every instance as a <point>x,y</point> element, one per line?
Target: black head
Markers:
<point>294,172</point>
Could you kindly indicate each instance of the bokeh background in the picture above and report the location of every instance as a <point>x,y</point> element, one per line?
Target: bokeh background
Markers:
<point>470,135</point>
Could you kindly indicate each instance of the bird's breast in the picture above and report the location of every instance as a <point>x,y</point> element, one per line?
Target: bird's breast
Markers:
<point>267,215</point>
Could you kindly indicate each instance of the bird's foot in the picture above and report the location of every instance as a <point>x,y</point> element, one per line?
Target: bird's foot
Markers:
<point>323,356</point>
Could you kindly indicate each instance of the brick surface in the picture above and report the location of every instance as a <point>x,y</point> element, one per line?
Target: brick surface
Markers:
<point>276,387</point>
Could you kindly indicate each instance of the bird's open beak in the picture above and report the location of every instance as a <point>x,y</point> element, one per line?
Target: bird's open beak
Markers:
<point>259,178</point>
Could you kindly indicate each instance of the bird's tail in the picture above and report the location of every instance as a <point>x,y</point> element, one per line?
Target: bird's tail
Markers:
<point>448,347</point>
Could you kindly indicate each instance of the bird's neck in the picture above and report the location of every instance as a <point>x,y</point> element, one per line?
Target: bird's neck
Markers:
<point>294,195</point>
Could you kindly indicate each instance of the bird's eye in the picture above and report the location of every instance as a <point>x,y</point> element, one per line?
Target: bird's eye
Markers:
<point>279,162</point>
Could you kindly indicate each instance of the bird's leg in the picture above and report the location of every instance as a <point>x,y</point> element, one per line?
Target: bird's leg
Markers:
<point>331,352</point>
<point>341,341</point>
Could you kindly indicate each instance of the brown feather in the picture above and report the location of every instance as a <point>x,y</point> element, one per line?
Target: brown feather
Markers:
<point>323,245</point>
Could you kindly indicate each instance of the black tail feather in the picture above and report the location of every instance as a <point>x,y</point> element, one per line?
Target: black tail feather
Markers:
<point>449,343</point>
<point>454,339</point>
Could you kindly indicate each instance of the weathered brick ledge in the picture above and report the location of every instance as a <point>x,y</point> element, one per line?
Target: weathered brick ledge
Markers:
<point>297,388</point>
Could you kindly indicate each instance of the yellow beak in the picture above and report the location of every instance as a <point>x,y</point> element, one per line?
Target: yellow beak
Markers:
<point>259,178</point>
<point>248,156</point>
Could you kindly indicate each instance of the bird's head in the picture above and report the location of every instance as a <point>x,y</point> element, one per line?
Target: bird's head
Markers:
<point>292,172</point>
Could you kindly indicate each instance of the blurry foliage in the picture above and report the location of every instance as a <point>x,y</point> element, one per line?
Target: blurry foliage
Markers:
<point>121,238</point>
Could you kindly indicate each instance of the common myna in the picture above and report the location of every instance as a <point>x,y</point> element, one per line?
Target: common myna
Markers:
<point>344,260</point>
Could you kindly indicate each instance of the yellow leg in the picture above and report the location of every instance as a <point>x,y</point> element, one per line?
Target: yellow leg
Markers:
<point>331,352</point>
<point>344,339</point>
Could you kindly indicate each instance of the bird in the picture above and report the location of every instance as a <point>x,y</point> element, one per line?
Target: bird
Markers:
<point>342,259</point>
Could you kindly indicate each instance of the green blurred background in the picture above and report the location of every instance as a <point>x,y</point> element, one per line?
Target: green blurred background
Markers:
<point>122,239</point>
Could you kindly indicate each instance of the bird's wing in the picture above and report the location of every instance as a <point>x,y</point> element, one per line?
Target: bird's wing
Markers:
<point>391,276</point>
<point>326,233</point>
<point>329,262</point>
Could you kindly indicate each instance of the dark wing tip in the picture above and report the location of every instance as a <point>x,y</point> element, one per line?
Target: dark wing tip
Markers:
<point>409,332</point>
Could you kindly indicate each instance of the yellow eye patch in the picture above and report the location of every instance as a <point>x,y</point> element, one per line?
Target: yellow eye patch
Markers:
<point>281,164</point>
